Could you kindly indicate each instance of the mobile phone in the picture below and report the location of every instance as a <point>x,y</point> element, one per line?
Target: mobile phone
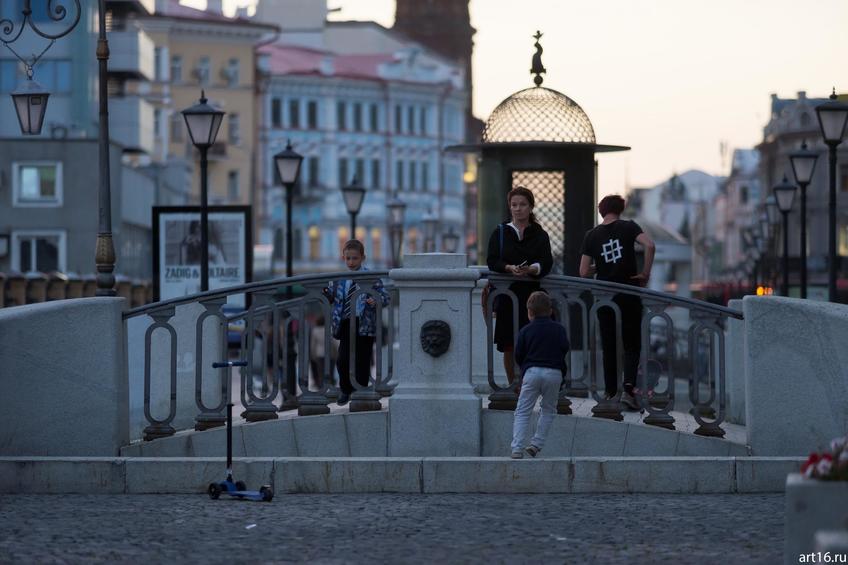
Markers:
<point>523,264</point>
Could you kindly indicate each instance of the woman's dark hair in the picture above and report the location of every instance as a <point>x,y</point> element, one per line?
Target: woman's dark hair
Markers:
<point>526,193</point>
<point>612,204</point>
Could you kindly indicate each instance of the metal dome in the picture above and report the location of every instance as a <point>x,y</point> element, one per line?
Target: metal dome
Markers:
<point>538,114</point>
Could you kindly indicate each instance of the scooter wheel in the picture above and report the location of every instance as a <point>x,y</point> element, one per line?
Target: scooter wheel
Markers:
<point>267,493</point>
<point>214,491</point>
<point>240,485</point>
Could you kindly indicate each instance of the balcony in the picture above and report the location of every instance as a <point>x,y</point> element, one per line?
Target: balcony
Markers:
<point>131,54</point>
<point>131,123</point>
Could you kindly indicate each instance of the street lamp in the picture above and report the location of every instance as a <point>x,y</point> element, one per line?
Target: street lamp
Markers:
<point>833,115</point>
<point>803,165</point>
<point>784,194</point>
<point>429,223</point>
<point>203,121</point>
<point>397,210</point>
<point>30,100</point>
<point>354,195</point>
<point>288,166</point>
<point>450,241</point>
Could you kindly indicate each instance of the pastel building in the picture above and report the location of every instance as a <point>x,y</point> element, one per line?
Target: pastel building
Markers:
<point>358,100</point>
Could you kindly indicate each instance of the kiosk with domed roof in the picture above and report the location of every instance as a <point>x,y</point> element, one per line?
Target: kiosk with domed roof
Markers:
<point>542,139</point>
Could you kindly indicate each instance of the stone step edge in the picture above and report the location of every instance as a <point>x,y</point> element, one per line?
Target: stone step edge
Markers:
<point>422,475</point>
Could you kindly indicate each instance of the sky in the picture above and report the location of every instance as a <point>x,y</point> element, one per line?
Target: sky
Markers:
<point>672,79</point>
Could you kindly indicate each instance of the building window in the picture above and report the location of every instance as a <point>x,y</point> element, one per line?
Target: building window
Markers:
<point>314,243</point>
<point>376,244</point>
<point>157,126</point>
<point>10,75</point>
<point>231,72</point>
<point>375,173</point>
<point>37,184</point>
<point>158,64</point>
<point>423,119</point>
<point>399,175</point>
<point>743,195</point>
<point>360,171</point>
<point>312,114</point>
<point>201,72</point>
<point>38,251</point>
<point>842,241</point>
<point>425,176</point>
<point>313,168</point>
<point>177,128</point>
<point>843,178</point>
<point>374,117</point>
<point>294,114</point>
<point>357,116</point>
<point>410,119</point>
<point>398,119</point>
<point>276,113</point>
<point>343,236</point>
<point>233,186</point>
<point>235,129</point>
<point>413,176</point>
<point>297,244</point>
<point>176,68</point>
<point>341,116</point>
<point>342,172</point>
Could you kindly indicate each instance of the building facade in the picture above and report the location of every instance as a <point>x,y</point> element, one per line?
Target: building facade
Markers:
<point>371,105</point>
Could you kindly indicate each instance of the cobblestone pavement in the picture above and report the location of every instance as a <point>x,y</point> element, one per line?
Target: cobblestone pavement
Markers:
<point>393,528</point>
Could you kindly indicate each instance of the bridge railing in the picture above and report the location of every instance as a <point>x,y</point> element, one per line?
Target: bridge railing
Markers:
<point>172,344</point>
<point>273,334</point>
<point>666,320</point>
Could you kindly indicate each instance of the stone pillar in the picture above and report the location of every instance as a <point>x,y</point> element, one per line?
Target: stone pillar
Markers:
<point>735,366</point>
<point>434,411</point>
<point>795,386</point>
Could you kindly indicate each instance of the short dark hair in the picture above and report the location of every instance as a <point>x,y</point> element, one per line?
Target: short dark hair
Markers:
<point>355,245</point>
<point>612,204</point>
<point>539,304</point>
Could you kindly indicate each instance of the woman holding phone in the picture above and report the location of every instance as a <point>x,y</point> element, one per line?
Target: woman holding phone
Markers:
<point>521,248</point>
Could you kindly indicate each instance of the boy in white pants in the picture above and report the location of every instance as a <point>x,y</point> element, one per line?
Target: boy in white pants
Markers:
<point>540,353</point>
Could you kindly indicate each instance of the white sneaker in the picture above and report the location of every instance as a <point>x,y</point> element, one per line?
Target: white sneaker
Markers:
<point>517,455</point>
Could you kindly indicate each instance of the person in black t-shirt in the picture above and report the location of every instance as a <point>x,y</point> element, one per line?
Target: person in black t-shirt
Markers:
<point>610,246</point>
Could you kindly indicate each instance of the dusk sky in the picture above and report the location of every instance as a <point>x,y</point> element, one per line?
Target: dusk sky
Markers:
<point>670,78</point>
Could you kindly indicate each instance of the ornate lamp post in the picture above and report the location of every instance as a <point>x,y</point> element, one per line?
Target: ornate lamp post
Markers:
<point>429,223</point>
<point>784,194</point>
<point>833,115</point>
<point>30,98</point>
<point>30,101</point>
<point>288,166</point>
<point>803,165</point>
<point>450,241</point>
<point>397,211</point>
<point>203,122</point>
<point>354,195</point>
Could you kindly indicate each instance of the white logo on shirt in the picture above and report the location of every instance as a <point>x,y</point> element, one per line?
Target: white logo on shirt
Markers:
<point>611,251</point>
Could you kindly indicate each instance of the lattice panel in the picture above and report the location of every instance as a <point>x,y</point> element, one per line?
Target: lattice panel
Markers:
<point>549,190</point>
<point>538,114</point>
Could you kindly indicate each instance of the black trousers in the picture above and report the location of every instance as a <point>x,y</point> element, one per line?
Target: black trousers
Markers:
<point>364,346</point>
<point>631,336</point>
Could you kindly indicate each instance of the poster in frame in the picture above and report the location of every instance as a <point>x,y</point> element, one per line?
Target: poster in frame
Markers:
<point>176,250</point>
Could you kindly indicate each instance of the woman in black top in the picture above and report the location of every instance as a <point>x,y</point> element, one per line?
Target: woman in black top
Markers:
<point>526,253</point>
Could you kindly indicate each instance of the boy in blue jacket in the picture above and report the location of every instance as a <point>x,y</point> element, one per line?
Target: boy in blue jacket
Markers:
<point>540,353</point>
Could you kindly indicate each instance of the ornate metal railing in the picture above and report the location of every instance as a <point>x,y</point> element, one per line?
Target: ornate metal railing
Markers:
<point>275,341</point>
<point>578,302</point>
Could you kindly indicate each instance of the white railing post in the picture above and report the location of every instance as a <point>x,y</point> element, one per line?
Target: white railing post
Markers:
<point>434,411</point>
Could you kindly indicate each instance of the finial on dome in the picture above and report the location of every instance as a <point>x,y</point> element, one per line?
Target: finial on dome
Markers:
<point>537,69</point>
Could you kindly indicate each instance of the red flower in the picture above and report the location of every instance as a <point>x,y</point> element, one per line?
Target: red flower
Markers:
<point>812,460</point>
